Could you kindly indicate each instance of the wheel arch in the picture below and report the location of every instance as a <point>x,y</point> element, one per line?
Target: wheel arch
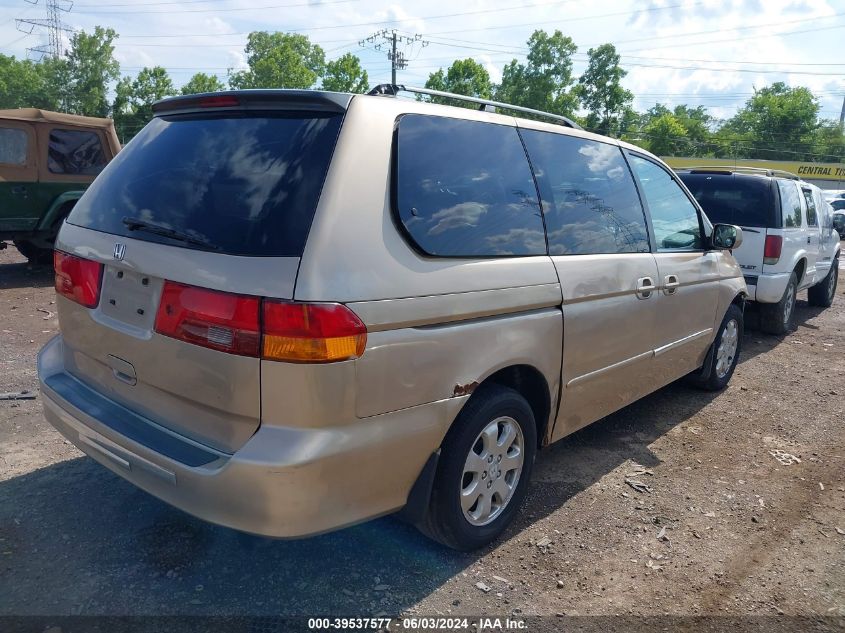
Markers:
<point>532,385</point>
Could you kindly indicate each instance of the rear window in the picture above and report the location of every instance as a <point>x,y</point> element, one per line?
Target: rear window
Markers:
<point>790,204</point>
<point>242,184</point>
<point>729,199</point>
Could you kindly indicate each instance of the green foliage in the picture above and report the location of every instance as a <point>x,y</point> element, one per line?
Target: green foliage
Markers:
<point>665,135</point>
<point>201,82</point>
<point>464,77</point>
<point>134,99</point>
<point>279,60</point>
<point>545,82</point>
<point>778,122</point>
<point>601,91</point>
<point>346,75</point>
<point>25,84</point>
<point>89,69</point>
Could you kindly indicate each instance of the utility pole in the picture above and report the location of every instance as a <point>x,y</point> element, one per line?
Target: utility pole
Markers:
<point>842,116</point>
<point>398,59</point>
<point>54,25</point>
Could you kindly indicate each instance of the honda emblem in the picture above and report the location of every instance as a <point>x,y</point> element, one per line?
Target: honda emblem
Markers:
<point>119,251</point>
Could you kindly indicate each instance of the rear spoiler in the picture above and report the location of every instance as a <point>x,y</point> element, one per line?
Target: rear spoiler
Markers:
<point>239,100</point>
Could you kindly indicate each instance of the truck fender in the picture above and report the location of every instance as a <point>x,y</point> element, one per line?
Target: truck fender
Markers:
<point>52,215</point>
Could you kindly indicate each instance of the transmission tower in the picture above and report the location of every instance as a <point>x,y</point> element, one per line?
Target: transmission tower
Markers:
<point>52,23</point>
<point>398,58</point>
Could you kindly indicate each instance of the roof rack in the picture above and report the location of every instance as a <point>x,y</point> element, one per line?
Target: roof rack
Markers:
<point>763,171</point>
<point>486,104</point>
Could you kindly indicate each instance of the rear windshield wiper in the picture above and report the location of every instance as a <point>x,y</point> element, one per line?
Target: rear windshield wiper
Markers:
<point>134,224</point>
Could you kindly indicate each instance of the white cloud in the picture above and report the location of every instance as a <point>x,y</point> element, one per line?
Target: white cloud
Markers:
<point>648,32</point>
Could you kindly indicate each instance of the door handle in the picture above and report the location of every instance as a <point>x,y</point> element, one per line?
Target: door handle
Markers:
<point>809,239</point>
<point>670,284</point>
<point>19,190</point>
<point>645,286</point>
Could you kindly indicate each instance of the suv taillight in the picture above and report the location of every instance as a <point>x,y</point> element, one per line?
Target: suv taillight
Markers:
<point>78,279</point>
<point>252,326</point>
<point>772,249</point>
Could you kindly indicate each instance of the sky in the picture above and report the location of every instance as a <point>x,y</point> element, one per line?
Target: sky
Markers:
<point>698,52</point>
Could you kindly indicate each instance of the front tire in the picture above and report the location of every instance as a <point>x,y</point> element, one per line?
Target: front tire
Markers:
<point>822,294</point>
<point>778,318</point>
<point>484,469</point>
<point>725,352</point>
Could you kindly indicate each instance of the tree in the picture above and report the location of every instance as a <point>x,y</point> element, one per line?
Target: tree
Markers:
<point>464,77</point>
<point>25,84</point>
<point>90,68</point>
<point>778,122</point>
<point>279,60</point>
<point>664,135</point>
<point>201,82</point>
<point>545,81</point>
<point>601,91</point>
<point>134,100</point>
<point>346,75</point>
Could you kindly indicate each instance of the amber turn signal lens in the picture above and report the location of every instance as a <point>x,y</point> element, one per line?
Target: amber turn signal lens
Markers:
<point>311,332</point>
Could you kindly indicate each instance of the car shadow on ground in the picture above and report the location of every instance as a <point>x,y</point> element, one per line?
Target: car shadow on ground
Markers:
<point>25,275</point>
<point>77,539</point>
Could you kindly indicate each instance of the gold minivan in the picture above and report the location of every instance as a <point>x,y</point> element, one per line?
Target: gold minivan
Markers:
<point>291,311</point>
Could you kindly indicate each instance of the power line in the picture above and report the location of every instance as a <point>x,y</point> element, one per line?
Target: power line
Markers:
<point>53,24</point>
<point>398,59</point>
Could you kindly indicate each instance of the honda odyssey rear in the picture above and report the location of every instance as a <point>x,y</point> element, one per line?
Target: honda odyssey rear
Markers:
<point>290,311</point>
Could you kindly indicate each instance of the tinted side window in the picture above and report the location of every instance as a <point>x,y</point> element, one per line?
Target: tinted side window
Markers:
<point>13,146</point>
<point>790,204</point>
<point>838,205</point>
<point>674,218</point>
<point>464,189</point>
<point>589,198</point>
<point>75,152</point>
<point>811,207</point>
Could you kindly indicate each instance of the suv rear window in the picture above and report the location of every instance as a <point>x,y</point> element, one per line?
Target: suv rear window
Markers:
<point>731,199</point>
<point>245,185</point>
<point>13,146</point>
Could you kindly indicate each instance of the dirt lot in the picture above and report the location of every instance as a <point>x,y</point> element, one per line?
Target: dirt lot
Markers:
<point>725,529</point>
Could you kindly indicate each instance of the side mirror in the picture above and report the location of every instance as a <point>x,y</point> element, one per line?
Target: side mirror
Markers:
<point>726,237</point>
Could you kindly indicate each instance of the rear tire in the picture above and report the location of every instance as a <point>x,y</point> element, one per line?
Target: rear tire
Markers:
<point>35,254</point>
<point>725,353</point>
<point>778,318</point>
<point>822,294</point>
<point>484,469</point>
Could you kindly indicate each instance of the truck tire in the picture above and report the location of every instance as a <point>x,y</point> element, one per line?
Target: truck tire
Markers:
<point>778,318</point>
<point>822,294</point>
<point>35,254</point>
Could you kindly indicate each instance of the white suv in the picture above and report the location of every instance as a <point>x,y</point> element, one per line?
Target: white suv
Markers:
<point>790,243</point>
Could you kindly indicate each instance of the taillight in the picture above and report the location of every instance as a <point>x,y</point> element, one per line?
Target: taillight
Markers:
<point>311,332</point>
<point>219,320</point>
<point>280,330</point>
<point>78,279</point>
<point>772,249</point>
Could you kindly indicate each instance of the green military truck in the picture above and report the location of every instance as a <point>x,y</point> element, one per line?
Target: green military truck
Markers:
<point>47,160</point>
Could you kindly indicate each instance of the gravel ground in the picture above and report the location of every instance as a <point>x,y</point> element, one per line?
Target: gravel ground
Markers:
<point>724,528</point>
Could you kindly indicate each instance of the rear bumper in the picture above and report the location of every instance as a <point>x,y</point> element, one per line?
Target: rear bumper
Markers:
<point>769,287</point>
<point>284,482</point>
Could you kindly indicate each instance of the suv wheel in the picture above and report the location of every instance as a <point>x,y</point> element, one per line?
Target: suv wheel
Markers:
<point>777,318</point>
<point>35,254</point>
<point>725,350</point>
<point>822,293</point>
<point>484,469</point>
